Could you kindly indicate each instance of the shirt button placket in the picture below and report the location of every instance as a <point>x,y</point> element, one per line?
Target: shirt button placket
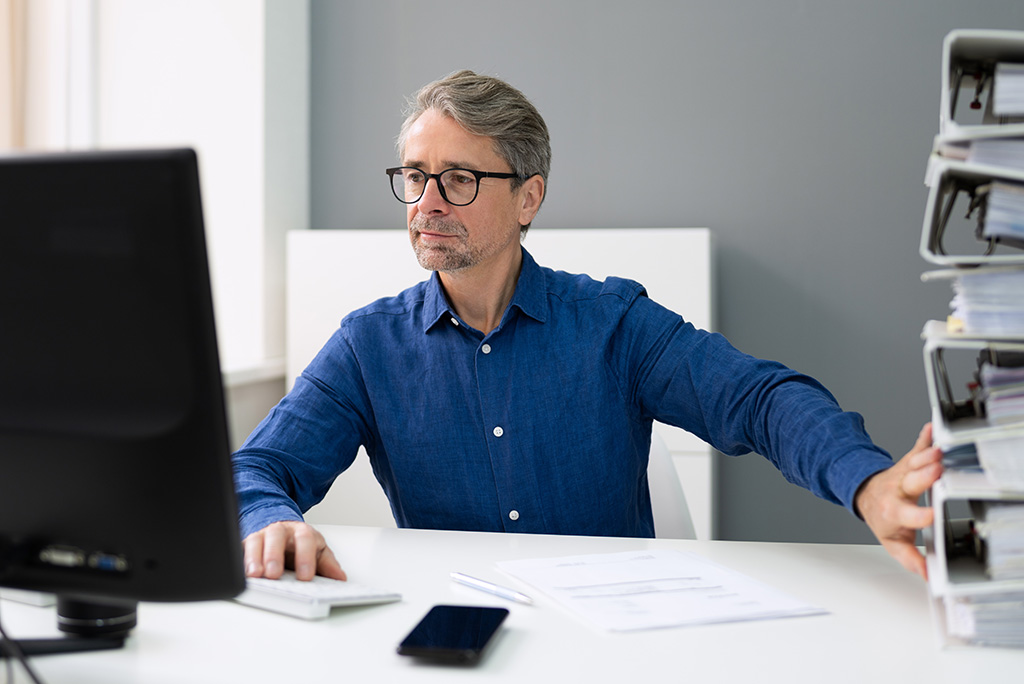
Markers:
<point>498,431</point>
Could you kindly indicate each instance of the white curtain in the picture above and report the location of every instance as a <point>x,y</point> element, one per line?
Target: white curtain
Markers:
<point>12,73</point>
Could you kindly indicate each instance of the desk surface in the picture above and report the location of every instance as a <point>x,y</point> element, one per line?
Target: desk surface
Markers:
<point>879,627</point>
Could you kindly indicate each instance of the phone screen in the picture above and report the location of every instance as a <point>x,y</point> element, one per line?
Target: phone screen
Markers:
<point>453,633</point>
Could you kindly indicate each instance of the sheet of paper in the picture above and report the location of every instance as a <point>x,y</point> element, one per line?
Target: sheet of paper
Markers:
<point>653,589</point>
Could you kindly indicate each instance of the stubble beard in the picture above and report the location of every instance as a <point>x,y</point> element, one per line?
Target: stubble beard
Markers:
<point>445,258</point>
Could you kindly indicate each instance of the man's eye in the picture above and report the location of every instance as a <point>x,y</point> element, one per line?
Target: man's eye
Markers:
<point>461,178</point>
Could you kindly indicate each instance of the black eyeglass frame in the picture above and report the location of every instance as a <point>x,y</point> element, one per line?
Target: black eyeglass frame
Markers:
<point>440,186</point>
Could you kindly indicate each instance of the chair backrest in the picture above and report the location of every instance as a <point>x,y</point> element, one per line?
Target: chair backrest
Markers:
<point>671,514</point>
<point>332,272</point>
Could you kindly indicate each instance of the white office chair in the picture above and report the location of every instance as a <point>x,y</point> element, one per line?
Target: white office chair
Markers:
<point>671,514</point>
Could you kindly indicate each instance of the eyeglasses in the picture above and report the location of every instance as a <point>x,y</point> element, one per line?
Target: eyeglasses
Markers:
<point>458,187</point>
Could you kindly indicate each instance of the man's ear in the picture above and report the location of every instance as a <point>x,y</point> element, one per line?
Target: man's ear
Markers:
<point>531,193</point>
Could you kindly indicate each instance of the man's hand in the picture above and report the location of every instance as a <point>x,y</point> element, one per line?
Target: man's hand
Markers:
<point>292,544</point>
<point>888,501</point>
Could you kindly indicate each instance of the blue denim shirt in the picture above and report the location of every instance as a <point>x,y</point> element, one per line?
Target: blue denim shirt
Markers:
<point>543,425</point>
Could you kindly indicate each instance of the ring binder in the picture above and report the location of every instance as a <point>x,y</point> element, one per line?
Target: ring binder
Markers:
<point>951,181</point>
<point>969,58</point>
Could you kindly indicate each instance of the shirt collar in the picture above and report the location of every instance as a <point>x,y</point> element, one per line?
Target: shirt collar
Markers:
<point>530,296</point>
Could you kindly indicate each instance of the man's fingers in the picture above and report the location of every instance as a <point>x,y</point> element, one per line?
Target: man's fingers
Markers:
<point>275,542</point>
<point>295,544</point>
<point>304,558</point>
<point>328,565</point>
<point>923,458</point>
<point>924,439</point>
<point>908,556</point>
<point>916,482</point>
<point>252,553</point>
<point>914,517</point>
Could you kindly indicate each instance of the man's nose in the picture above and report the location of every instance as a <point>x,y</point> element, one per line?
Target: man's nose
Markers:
<point>432,202</point>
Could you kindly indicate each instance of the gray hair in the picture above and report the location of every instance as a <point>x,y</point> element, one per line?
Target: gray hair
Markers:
<point>492,108</point>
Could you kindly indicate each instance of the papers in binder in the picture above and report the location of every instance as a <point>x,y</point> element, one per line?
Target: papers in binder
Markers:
<point>1008,90</point>
<point>653,589</point>
<point>986,619</point>
<point>999,455</point>
<point>989,301</point>
<point>1004,213</point>
<point>1000,152</point>
<point>1002,391</point>
<point>1000,524</point>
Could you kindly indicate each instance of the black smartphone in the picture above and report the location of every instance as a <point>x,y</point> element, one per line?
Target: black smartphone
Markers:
<point>455,634</point>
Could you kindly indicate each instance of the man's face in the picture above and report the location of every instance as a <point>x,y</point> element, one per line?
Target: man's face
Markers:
<point>449,238</point>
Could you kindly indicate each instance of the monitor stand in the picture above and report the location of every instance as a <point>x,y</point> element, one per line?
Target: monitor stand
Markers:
<point>90,626</point>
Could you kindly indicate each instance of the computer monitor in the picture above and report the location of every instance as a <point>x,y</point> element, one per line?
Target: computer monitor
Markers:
<point>115,475</point>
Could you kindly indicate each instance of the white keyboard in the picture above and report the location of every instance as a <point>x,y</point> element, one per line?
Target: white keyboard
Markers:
<point>309,600</point>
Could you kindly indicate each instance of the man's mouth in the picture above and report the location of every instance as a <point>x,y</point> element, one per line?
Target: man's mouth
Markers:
<point>429,230</point>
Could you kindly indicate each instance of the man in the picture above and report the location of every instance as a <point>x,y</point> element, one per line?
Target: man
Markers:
<point>502,396</point>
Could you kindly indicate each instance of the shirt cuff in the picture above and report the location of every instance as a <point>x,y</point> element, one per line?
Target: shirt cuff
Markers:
<point>255,520</point>
<point>851,472</point>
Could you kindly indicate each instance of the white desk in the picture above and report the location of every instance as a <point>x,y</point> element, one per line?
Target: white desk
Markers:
<point>879,628</point>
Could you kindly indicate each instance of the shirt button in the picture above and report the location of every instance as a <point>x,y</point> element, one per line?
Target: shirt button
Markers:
<point>513,515</point>
<point>498,432</point>
<point>486,349</point>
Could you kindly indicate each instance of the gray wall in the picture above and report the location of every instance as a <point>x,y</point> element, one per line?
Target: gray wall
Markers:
<point>796,129</point>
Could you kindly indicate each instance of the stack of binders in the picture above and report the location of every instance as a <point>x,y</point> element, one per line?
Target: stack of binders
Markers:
<point>974,360</point>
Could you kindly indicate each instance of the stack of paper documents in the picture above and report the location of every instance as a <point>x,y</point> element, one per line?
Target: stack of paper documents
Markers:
<point>1008,92</point>
<point>654,589</point>
<point>1001,527</point>
<point>990,301</point>
<point>1005,152</point>
<point>1004,213</point>
<point>1002,391</point>
<point>1002,458</point>
<point>987,619</point>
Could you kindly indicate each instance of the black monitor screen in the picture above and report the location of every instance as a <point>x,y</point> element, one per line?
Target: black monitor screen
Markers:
<point>115,477</point>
